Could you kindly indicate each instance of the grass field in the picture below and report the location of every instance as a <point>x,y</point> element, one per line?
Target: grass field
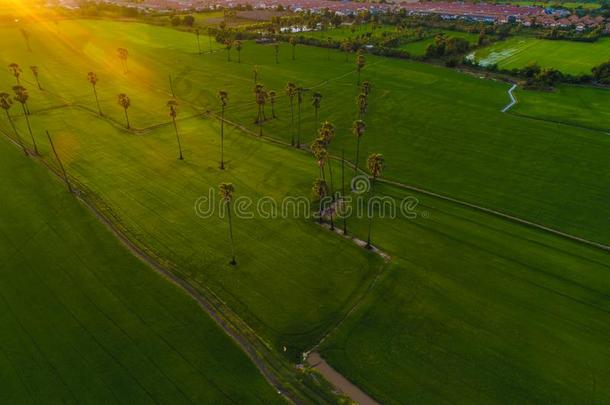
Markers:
<point>567,56</point>
<point>419,47</point>
<point>573,105</point>
<point>504,314</point>
<point>458,280</point>
<point>345,32</point>
<point>84,321</point>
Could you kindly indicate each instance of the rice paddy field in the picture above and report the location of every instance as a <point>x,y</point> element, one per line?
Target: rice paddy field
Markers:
<point>470,305</point>
<point>567,56</point>
<point>85,321</point>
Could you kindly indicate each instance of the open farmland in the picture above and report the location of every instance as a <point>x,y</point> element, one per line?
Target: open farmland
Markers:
<point>85,321</point>
<point>570,57</point>
<point>466,304</point>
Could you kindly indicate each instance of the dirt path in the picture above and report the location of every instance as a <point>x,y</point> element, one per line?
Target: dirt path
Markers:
<point>335,378</point>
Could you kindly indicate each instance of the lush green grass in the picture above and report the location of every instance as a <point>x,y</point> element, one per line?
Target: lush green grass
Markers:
<point>465,293</point>
<point>475,309</point>
<point>567,56</point>
<point>419,47</point>
<point>84,321</point>
<point>574,105</point>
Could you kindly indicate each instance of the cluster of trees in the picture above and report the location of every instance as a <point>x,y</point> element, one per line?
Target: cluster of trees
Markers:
<point>187,20</point>
<point>88,8</point>
<point>447,46</point>
<point>571,34</point>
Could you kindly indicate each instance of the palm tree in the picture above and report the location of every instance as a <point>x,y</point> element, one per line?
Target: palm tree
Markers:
<point>360,62</point>
<point>172,105</point>
<point>223,96</point>
<point>123,54</point>
<point>92,78</point>
<point>293,42</point>
<point>6,103</point>
<point>272,96</point>
<point>226,195</point>
<point>61,166</point>
<point>366,87</point>
<point>198,41</point>
<point>125,102</point>
<point>276,49</point>
<point>343,189</point>
<point>300,92</point>
<point>358,128</point>
<point>329,44</point>
<point>320,190</point>
<point>375,163</point>
<point>255,73</point>
<point>21,96</point>
<point>15,70</point>
<point>228,46</point>
<point>362,103</point>
<point>346,47</point>
<point>238,49</point>
<point>291,92</point>
<point>326,132</point>
<point>35,72</point>
<point>260,95</point>
<point>316,99</point>
<point>318,147</point>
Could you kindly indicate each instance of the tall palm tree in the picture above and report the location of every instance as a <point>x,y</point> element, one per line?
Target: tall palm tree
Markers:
<point>320,190</point>
<point>238,47</point>
<point>346,47</point>
<point>198,41</point>
<point>326,132</point>
<point>272,96</point>
<point>226,195</point>
<point>21,96</point>
<point>223,97</point>
<point>316,100</point>
<point>35,72</point>
<point>255,73</point>
<point>358,128</point>
<point>125,102</point>
<point>366,87</point>
<point>300,92</point>
<point>260,95</point>
<point>318,147</point>
<point>92,78</point>
<point>360,62</point>
<point>291,92</point>
<point>123,54</point>
<point>293,42</point>
<point>276,49</point>
<point>362,103</point>
<point>343,189</point>
<point>6,103</point>
<point>16,71</point>
<point>172,105</point>
<point>228,46</point>
<point>375,163</point>
<point>329,45</point>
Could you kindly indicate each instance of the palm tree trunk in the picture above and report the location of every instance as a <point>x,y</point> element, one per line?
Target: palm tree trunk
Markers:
<point>177,138</point>
<point>97,101</point>
<point>27,120</point>
<point>38,83</point>
<point>370,215</point>
<point>292,121</point>
<point>222,139</point>
<point>357,154</point>
<point>343,188</point>
<point>299,126</point>
<point>332,194</point>
<point>171,86</point>
<point>273,109</point>
<point>127,119</point>
<point>358,76</point>
<point>233,261</point>
<point>19,141</point>
<point>61,166</point>
<point>210,41</point>
<point>238,56</point>
<point>198,44</point>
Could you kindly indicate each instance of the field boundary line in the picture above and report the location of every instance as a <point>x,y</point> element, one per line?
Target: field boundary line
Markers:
<point>513,100</point>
